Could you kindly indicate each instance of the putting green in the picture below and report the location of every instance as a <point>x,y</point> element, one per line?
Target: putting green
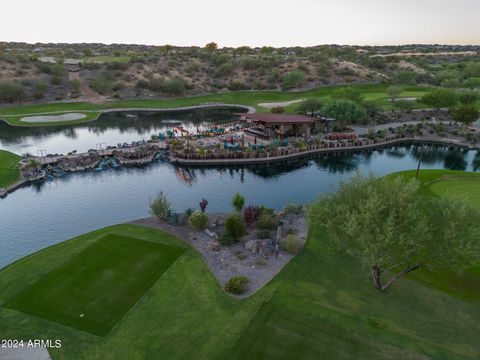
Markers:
<point>469,189</point>
<point>95,289</point>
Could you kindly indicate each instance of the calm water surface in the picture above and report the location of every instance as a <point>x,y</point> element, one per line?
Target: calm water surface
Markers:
<point>109,129</point>
<point>40,215</point>
<point>47,213</point>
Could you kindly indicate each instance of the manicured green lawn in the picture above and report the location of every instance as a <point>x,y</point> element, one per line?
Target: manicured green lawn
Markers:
<point>9,172</point>
<point>373,92</point>
<point>322,305</point>
<point>17,119</point>
<point>467,189</point>
<point>94,289</point>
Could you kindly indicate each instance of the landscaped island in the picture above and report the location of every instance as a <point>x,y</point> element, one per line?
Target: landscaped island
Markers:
<point>322,304</point>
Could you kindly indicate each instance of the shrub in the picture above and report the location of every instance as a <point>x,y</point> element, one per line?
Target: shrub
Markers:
<point>277,110</point>
<point>293,79</point>
<point>226,239</point>
<point>160,206</point>
<point>188,212</point>
<point>224,69</point>
<point>290,243</point>
<point>203,204</point>
<point>199,220</point>
<point>235,226</point>
<point>101,84</point>
<point>237,284</point>
<point>266,210</point>
<point>238,201</point>
<point>293,209</point>
<point>267,221</point>
<point>176,86</point>
<point>251,214</point>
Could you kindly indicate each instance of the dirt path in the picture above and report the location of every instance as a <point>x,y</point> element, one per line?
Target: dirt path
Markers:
<point>88,94</point>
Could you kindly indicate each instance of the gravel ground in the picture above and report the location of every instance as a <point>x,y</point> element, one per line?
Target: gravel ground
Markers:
<point>238,259</point>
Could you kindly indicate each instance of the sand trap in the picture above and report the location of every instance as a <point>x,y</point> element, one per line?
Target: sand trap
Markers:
<point>275,104</point>
<point>406,99</point>
<point>53,118</point>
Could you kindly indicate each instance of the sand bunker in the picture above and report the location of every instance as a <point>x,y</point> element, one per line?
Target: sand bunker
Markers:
<point>53,118</point>
<point>275,104</point>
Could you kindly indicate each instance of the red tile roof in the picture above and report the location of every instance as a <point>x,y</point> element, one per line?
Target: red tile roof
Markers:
<point>279,118</point>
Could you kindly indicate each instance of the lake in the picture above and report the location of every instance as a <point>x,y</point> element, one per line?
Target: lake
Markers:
<point>43,214</point>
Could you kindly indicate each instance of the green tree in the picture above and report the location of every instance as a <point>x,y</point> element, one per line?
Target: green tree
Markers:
<point>11,92</point>
<point>345,110</point>
<point>238,202</point>
<point>211,46</point>
<point>390,229</point>
<point>468,97</point>
<point>293,79</point>
<point>472,83</point>
<point>310,105</point>
<point>441,98</point>
<point>406,77</point>
<point>465,114</point>
<point>472,69</point>
<point>394,92</point>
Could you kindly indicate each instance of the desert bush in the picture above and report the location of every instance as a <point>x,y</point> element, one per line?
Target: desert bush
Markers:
<point>237,284</point>
<point>199,220</point>
<point>290,243</point>
<point>226,239</point>
<point>160,206</point>
<point>267,221</point>
<point>277,110</point>
<point>188,212</point>
<point>293,79</point>
<point>224,69</point>
<point>238,201</point>
<point>235,226</point>
<point>251,214</point>
<point>101,84</point>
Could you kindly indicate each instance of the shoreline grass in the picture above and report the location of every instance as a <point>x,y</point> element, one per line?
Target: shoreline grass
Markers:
<point>9,172</point>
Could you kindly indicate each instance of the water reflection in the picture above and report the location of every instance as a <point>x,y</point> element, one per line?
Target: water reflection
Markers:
<point>110,128</point>
<point>46,213</point>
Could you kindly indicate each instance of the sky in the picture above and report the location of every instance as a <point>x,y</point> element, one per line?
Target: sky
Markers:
<point>246,22</point>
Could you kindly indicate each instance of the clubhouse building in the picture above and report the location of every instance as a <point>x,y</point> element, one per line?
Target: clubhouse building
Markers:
<point>283,125</point>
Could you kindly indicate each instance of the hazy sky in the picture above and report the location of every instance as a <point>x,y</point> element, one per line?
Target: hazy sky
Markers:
<point>247,22</point>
